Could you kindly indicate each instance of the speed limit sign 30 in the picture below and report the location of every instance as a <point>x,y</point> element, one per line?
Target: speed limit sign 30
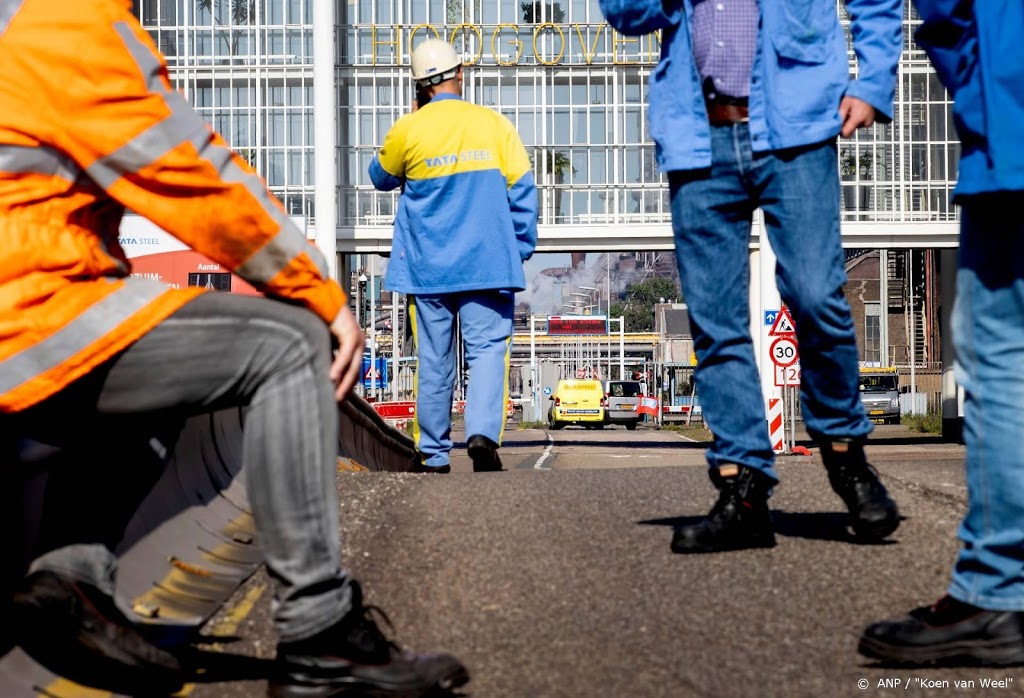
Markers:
<point>783,351</point>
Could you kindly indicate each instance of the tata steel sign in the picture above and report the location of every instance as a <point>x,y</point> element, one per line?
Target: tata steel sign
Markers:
<point>577,324</point>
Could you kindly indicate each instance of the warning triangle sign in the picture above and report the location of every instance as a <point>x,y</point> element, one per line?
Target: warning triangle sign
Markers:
<point>783,326</point>
<point>371,374</point>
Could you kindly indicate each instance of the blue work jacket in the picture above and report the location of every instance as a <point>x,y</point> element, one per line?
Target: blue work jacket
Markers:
<point>976,50</point>
<point>467,216</point>
<point>799,76</point>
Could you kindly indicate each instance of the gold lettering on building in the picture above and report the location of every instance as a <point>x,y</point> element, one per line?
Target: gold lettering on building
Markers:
<point>514,42</point>
<point>588,57</point>
<point>412,35</point>
<point>536,51</point>
<point>397,43</point>
<point>479,40</point>
<point>620,39</point>
<point>593,49</point>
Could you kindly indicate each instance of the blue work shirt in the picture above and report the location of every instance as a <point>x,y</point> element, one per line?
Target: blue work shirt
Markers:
<point>979,59</point>
<point>467,216</point>
<point>799,76</point>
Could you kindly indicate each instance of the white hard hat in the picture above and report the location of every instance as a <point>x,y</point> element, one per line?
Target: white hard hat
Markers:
<point>434,61</point>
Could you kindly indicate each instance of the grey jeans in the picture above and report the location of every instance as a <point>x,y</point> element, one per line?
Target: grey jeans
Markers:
<point>221,350</point>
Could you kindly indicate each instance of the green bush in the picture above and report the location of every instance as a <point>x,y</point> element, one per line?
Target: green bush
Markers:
<point>930,423</point>
<point>697,432</point>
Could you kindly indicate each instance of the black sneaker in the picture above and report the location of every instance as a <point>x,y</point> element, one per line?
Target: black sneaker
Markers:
<point>739,520</point>
<point>873,513</point>
<point>354,656</point>
<point>484,454</point>
<point>951,633</point>
<point>77,631</point>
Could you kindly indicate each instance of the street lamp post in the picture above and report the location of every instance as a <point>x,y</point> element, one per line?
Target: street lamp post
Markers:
<point>360,294</point>
<point>373,329</point>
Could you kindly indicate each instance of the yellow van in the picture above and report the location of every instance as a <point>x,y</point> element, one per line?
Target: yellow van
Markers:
<point>577,402</point>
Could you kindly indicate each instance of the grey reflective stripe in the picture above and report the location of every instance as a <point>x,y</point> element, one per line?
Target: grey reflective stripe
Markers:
<point>185,125</point>
<point>146,148</point>
<point>100,319</point>
<point>24,159</point>
<point>8,8</point>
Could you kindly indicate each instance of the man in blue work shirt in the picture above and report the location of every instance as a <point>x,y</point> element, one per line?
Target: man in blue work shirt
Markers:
<point>466,222</point>
<point>975,48</point>
<point>745,107</point>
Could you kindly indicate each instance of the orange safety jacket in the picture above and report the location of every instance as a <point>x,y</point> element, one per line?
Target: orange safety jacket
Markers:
<point>90,126</point>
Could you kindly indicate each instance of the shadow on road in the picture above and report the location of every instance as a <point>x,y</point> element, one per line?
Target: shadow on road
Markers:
<point>815,525</point>
<point>641,445</point>
<point>211,666</point>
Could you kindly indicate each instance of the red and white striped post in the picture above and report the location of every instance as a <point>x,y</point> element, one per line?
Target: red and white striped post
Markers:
<point>776,425</point>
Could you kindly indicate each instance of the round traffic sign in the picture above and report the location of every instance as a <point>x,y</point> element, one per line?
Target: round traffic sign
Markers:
<point>783,352</point>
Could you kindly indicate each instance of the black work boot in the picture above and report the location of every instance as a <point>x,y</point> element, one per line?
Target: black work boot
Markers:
<point>740,518</point>
<point>950,632</point>
<point>484,454</point>
<point>873,513</point>
<point>78,632</point>
<point>353,657</point>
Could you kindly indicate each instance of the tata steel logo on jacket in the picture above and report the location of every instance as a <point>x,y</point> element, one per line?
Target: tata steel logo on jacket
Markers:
<point>464,156</point>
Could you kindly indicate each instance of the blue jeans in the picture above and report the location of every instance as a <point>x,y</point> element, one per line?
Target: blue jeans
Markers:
<point>988,336</point>
<point>485,320</point>
<point>798,191</point>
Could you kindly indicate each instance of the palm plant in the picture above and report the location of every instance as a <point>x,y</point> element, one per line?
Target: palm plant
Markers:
<point>555,165</point>
<point>239,12</point>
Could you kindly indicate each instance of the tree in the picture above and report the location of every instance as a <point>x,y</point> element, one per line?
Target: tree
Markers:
<point>455,11</point>
<point>532,12</point>
<point>555,165</point>
<point>240,12</point>
<point>637,306</point>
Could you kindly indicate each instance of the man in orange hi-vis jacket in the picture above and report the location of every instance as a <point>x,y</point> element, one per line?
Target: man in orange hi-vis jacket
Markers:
<point>97,362</point>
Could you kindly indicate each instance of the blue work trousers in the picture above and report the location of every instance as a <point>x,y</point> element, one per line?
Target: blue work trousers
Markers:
<point>988,336</point>
<point>485,321</point>
<point>712,209</point>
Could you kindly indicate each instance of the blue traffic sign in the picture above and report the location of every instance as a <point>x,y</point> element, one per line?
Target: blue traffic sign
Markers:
<point>547,389</point>
<point>376,376</point>
<point>769,317</point>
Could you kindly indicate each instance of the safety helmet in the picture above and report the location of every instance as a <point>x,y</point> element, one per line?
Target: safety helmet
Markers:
<point>434,61</point>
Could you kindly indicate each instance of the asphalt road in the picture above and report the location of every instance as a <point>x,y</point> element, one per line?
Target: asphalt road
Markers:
<point>555,578</point>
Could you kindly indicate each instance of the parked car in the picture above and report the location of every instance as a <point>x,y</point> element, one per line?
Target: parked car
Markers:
<point>577,402</point>
<point>623,403</point>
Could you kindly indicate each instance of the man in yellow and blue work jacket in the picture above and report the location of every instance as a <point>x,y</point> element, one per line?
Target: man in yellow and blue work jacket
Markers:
<point>975,48</point>
<point>466,222</point>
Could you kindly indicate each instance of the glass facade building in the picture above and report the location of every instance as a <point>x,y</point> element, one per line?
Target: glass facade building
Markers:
<point>574,88</point>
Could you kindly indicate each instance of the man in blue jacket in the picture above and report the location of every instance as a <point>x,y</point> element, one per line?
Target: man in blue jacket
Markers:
<point>745,107</point>
<point>466,222</point>
<point>975,48</point>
